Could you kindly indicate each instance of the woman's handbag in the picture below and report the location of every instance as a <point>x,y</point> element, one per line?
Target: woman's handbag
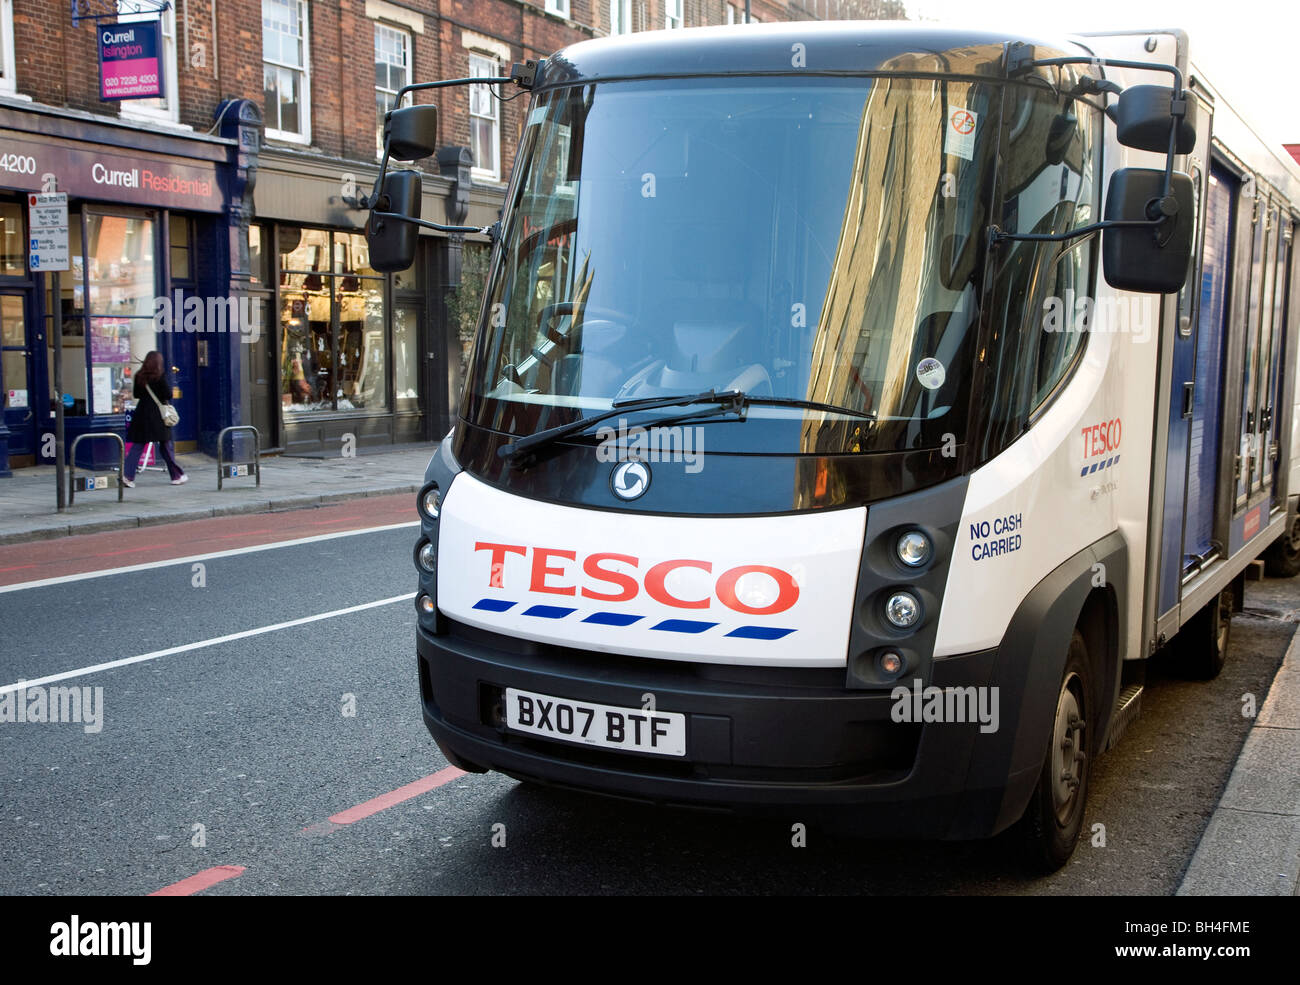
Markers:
<point>170,416</point>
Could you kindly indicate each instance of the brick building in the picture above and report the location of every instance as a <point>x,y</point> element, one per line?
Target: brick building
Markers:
<point>242,181</point>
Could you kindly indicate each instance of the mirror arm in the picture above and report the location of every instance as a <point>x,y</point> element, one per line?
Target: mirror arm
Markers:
<point>439,227</point>
<point>997,235</point>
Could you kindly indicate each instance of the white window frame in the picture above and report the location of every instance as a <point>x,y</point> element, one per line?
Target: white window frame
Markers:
<point>409,47</point>
<point>487,65</point>
<point>305,110</point>
<point>674,14</point>
<point>140,109</point>
<point>560,8</point>
<point>8,64</point>
<point>620,17</point>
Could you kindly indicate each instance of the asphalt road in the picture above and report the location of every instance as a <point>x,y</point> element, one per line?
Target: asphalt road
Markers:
<point>249,739</point>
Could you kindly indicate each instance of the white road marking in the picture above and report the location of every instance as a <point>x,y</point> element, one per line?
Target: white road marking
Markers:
<point>64,579</point>
<point>215,641</point>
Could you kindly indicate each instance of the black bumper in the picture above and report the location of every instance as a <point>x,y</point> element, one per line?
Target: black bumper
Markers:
<point>794,743</point>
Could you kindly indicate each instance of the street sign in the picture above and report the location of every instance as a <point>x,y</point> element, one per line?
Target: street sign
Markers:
<point>48,242</point>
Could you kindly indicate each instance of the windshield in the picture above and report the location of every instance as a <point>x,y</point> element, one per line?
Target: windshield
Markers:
<point>807,239</point>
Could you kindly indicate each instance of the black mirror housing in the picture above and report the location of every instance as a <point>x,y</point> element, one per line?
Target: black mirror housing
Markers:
<point>392,241</point>
<point>1143,119</point>
<point>411,133</point>
<point>1148,259</point>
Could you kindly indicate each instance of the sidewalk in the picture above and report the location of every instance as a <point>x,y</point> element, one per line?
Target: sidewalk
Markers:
<point>1251,847</point>
<point>27,499</point>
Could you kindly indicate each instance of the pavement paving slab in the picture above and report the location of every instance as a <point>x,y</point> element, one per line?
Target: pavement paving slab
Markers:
<point>28,509</point>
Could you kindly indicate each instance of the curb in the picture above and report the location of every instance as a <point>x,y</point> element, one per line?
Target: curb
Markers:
<point>282,505</point>
<point>1251,847</point>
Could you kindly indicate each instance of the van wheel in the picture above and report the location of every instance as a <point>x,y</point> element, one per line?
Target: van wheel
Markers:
<point>1282,559</point>
<point>1203,642</point>
<point>1051,823</point>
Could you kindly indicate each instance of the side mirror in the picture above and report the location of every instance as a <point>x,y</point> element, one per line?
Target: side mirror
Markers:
<point>411,133</point>
<point>392,242</point>
<point>1148,259</point>
<point>1143,117</point>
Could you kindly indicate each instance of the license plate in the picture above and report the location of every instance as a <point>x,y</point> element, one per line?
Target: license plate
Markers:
<point>586,723</point>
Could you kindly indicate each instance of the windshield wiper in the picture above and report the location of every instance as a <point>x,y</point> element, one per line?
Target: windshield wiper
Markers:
<point>869,415</point>
<point>518,451</point>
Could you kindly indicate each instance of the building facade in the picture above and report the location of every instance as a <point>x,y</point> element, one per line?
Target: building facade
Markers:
<point>221,223</point>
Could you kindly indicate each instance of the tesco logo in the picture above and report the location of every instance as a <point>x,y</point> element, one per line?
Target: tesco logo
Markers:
<point>1102,439</point>
<point>611,577</point>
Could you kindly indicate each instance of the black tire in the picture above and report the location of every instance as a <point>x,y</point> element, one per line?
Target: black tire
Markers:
<point>1203,643</point>
<point>1282,559</point>
<point>1050,827</point>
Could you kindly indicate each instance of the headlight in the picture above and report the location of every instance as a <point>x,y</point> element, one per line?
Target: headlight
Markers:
<point>891,663</point>
<point>427,557</point>
<point>903,610</point>
<point>914,548</point>
<point>430,503</point>
<point>425,605</point>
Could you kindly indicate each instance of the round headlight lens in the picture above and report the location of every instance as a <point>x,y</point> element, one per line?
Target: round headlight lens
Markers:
<point>427,606</point>
<point>891,663</point>
<point>428,557</point>
<point>903,610</point>
<point>914,548</point>
<point>431,502</point>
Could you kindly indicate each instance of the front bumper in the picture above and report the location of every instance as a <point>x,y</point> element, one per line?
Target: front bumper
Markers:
<point>783,742</point>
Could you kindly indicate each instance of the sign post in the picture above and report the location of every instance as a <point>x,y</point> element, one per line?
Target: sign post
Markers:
<point>48,253</point>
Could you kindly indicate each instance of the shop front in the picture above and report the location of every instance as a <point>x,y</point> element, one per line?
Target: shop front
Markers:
<point>354,358</point>
<point>148,231</point>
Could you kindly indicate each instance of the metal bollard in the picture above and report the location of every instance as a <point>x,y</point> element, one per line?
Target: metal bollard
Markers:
<point>121,461</point>
<point>255,464</point>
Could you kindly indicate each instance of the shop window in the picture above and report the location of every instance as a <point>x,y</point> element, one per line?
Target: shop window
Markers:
<point>286,81</point>
<point>392,71</point>
<point>121,287</point>
<point>484,119</point>
<point>620,16</point>
<point>179,243</point>
<point>334,341</point>
<point>13,253</point>
<point>8,79</point>
<point>673,16</point>
<point>167,107</point>
<point>259,256</point>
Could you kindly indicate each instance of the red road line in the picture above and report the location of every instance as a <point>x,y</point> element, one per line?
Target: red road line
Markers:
<point>17,567</point>
<point>384,801</point>
<point>201,881</point>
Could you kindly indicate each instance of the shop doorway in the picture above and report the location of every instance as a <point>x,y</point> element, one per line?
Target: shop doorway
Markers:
<point>17,376</point>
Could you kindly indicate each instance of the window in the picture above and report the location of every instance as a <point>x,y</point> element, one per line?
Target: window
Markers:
<point>8,82</point>
<point>620,16</point>
<point>484,120</point>
<point>334,344</point>
<point>13,242</point>
<point>392,71</point>
<point>1043,303</point>
<point>731,14</point>
<point>560,7</point>
<point>167,107</point>
<point>285,75</point>
<point>673,13</point>
<point>121,287</point>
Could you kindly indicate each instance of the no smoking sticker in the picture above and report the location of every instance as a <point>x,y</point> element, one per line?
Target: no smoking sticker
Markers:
<point>959,132</point>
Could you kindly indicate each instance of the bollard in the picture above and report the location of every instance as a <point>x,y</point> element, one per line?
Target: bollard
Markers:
<point>121,461</point>
<point>255,464</point>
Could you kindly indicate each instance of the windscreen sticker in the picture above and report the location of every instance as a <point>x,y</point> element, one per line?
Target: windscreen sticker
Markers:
<point>931,373</point>
<point>536,116</point>
<point>959,134</point>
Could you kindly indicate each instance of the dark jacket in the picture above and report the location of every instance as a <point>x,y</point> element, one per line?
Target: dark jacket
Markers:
<point>146,419</point>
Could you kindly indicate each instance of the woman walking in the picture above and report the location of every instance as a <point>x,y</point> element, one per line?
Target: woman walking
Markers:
<point>152,392</point>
